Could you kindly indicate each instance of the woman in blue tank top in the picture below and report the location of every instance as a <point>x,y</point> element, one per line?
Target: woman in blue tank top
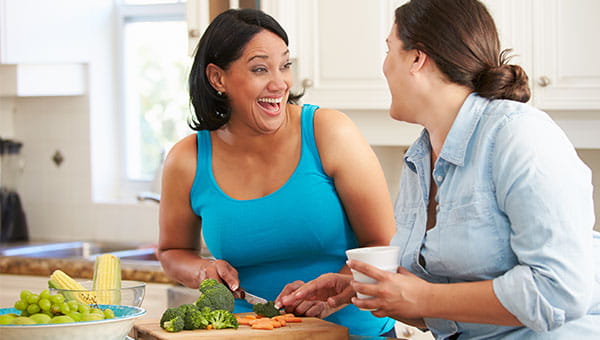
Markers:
<point>279,191</point>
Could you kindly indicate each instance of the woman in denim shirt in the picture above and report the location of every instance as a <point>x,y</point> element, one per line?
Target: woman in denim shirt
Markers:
<point>495,213</point>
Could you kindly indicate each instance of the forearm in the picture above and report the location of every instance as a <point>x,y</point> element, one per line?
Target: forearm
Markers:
<point>183,265</point>
<point>473,302</point>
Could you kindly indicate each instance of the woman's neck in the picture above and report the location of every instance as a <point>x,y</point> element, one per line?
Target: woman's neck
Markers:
<point>440,112</point>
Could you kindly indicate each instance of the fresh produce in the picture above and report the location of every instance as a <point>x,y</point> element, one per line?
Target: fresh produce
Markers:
<point>190,317</point>
<point>259,322</point>
<point>215,295</point>
<point>45,308</point>
<point>61,280</point>
<point>173,325</point>
<point>107,276</point>
<point>266,309</point>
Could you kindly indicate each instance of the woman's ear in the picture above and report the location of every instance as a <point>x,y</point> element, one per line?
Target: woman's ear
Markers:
<point>215,76</point>
<point>419,61</point>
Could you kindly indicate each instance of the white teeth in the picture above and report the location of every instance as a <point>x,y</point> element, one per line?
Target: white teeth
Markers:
<point>270,100</point>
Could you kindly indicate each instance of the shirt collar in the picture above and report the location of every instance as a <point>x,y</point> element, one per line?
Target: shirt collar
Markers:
<point>456,143</point>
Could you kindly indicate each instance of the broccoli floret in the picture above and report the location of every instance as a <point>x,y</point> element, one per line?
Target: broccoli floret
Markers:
<point>186,310</point>
<point>223,319</point>
<point>170,314</point>
<point>196,320</point>
<point>266,309</point>
<point>173,325</point>
<point>215,295</point>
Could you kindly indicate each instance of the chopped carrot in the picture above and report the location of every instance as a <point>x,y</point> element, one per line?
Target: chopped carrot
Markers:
<point>250,316</point>
<point>293,319</point>
<point>209,327</point>
<point>244,321</point>
<point>262,325</point>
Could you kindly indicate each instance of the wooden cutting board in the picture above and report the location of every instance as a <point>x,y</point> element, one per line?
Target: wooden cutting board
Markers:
<point>309,328</point>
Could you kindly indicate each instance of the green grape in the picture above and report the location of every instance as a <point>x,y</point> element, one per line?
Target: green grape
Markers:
<point>22,320</point>
<point>61,319</point>
<point>108,313</point>
<point>33,308</point>
<point>96,310</point>
<point>75,316</point>
<point>33,298</point>
<point>73,305</point>
<point>45,294</point>
<point>6,319</point>
<point>25,313</point>
<point>83,308</point>
<point>56,299</point>
<point>21,305</point>
<point>91,317</point>
<point>55,309</point>
<point>64,308</point>
<point>44,304</point>
<point>25,294</point>
<point>40,318</point>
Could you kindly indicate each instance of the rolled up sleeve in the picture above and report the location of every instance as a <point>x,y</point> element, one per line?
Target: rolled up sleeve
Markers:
<point>546,192</point>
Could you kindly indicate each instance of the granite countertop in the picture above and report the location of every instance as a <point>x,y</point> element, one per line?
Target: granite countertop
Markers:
<point>79,268</point>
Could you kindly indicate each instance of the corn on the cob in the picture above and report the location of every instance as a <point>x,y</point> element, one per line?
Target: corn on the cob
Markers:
<point>61,280</point>
<point>107,276</point>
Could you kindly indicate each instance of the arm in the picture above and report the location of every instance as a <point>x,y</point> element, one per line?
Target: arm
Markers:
<point>359,180</point>
<point>179,234</point>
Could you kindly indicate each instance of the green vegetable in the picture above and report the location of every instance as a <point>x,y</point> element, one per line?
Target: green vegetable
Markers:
<point>197,319</point>
<point>173,325</point>
<point>215,295</point>
<point>220,319</point>
<point>266,309</point>
<point>170,314</point>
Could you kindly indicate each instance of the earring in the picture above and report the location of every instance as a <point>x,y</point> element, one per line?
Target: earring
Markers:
<point>219,93</point>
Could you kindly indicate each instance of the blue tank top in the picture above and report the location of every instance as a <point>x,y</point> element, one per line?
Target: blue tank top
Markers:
<point>298,232</point>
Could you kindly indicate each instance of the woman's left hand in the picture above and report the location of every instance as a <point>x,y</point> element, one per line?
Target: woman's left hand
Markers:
<point>314,308</point>
<point>400,295</point>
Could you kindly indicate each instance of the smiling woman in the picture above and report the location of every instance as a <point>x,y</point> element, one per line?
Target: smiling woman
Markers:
<point>271,183</point>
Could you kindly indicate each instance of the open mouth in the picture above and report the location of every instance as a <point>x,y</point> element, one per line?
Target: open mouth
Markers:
<point>270,104</point>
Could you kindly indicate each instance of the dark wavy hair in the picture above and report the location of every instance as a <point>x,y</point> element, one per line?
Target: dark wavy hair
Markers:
<point>221,44</point>
<point>461,37</point>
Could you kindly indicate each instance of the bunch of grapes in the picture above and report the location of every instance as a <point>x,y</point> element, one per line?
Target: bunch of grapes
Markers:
<point>47,308</point>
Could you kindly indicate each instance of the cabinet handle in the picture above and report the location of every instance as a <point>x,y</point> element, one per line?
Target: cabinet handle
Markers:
<point>543,81</point>
<point>307,83</point>
<point>194,33</point>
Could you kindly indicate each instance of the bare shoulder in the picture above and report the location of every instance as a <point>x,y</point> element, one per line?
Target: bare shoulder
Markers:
<point>333,125</point>
<point>182,158</point>
<point>339,141</point>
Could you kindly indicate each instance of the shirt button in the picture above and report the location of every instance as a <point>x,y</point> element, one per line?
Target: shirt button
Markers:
<point>440,178</point>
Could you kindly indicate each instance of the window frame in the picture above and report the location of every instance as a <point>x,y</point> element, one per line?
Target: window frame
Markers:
<point>130,188</point>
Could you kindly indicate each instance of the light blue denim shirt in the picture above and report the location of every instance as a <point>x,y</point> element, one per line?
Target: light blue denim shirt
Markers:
<point>514,206</point>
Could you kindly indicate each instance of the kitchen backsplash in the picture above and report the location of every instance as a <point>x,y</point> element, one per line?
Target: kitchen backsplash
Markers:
<point>57,199</point>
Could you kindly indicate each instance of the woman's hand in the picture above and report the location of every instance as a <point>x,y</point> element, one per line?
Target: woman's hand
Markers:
<point>223,272</point>
<point>400,295</point>
<point>316,305</point>
<point>331,290</point>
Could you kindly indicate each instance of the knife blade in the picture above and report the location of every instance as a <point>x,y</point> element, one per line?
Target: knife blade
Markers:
<point>252,299</point>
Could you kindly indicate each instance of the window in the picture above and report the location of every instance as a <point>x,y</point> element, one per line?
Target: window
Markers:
<point>154,67</point>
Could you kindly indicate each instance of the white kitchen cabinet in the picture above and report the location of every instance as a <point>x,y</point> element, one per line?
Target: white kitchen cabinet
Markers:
<point>555,41</point>
<point>34,80</point>
<point>39,32</point>
<point>339,48</point>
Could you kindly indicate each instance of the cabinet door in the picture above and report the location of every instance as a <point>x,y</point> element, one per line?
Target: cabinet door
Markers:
<point>566,72</point>
<point>339,46</point>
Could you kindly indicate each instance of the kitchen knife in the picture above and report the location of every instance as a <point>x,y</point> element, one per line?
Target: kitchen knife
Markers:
<point>251,298</point>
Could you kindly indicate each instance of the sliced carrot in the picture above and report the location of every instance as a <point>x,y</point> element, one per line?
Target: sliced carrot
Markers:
<point>262,325</point>
<point>244,321</point>
<point>293,319</point>
<point>250,316</point>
